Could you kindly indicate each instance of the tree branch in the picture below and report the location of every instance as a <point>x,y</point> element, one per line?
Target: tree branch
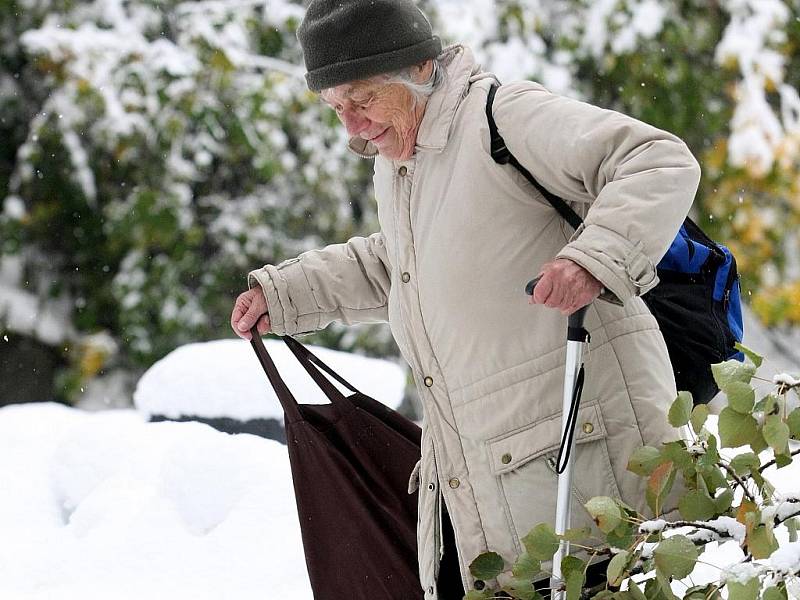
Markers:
<point>738,480</point>
<point>766,466</point>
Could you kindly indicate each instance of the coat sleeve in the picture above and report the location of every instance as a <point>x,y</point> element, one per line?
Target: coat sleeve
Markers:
<point>347,282</point>
<point>637,181</point>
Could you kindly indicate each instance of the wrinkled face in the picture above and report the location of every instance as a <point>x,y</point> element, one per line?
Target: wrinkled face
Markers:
<point>384,113</point>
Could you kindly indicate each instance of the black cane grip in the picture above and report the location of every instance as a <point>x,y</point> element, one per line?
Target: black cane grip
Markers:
<point>575,320</point>
<point>531,284</point>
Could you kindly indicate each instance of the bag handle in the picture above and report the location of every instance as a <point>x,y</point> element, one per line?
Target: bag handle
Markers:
<point>287,400</point>
<point>305,357</point>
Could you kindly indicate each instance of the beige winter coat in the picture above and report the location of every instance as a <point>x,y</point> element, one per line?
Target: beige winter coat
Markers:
<point>460,236</point>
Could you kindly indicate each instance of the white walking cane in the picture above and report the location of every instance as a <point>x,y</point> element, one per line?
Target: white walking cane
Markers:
<point>577,336</point>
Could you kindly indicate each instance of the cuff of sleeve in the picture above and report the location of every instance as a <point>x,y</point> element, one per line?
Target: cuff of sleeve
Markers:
<point>290,299</point>
<point>621,266</point>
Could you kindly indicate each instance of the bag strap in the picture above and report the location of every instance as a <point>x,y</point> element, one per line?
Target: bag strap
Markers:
<point>313,365</point>
<point>502,155</point>
<point>305,358</point>
<point>285,397</point>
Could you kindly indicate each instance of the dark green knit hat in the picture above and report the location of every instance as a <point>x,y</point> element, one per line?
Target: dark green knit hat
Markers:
<point>346,40</point>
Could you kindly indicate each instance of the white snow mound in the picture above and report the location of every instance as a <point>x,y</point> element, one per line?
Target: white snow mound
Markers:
<point>107,505</point>
<point>224,379</point>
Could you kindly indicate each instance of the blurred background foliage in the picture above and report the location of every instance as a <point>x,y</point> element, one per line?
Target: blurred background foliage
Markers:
<point>151,153</point>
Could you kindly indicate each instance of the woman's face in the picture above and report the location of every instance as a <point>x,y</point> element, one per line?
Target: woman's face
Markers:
<point>386,114</point>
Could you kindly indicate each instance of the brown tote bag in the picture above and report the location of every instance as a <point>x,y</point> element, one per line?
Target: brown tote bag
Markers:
<point>351,460</point>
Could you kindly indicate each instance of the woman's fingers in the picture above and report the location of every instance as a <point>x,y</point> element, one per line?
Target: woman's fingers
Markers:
<point>263,325</point>
<point>250,306</point>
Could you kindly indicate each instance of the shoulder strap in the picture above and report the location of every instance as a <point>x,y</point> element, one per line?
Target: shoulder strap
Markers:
<point>502,155</point>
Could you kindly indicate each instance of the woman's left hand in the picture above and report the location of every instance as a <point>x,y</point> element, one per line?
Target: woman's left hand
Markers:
<point>565,285</point>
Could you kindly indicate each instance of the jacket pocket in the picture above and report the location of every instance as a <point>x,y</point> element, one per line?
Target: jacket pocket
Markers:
<point>524,464</point>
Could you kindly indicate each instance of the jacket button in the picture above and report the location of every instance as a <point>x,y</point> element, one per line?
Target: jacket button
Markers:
<point>505,459</point>
<point>454,483</point>
<point>431,486</point>
<point>588,428</point>
<point>402,171</point>
<point>479,585</point>
<point>406,278</point>
<point>429,382</point>
<point>430,590</point>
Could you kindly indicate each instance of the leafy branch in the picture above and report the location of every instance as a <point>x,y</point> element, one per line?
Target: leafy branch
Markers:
<point>662,551</point>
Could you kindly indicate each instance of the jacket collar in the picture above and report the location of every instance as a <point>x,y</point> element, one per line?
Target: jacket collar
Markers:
<point>460,67</point>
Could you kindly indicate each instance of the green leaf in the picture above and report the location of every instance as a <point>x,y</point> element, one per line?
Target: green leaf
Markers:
<point>761,541</point>
<point>617,568</point>
<point>774,593</point>
<point>678,454</point>
<point>699,417</point>
<point>635,591</point>
<point>622,536</point>
<point>747,591</point>
<point>659,485</point>
<point>681,410</point>
<point>573,570</point>
<point>479,595</point>
<point>758,444</point>
<point>792,526</point>
<point>696,505</point>
<point>768,404</point>
<point>782,460</point>
<point>793,421</point>
<point>644,460</point>
<point>541,542</point>
<point>741,397</point>
<point>732,370</point>
<point>522,589</point>
<point>605,513</point>
<point>576,534</point>
<point>662,589</point>
<point>703,592</point>
<point>526,567</point>
<point>571,564</point>
<point>736,429</point>
<point>745,463</point>
<point>776,433</point>
<point>675,557</point>
<point>723,502</point>
<point>487,566</point>
<point>754,357</point>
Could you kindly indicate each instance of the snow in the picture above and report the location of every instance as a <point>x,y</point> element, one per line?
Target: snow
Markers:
<point>224,379</point>
<point>741,572</point>
<point>784,379</point>
<point>730,526</point>
<point>787,558</point>
<point>654,526</point>
<point>106,505</point>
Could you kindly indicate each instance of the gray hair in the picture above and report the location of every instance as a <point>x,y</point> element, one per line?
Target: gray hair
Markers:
<point>423,90</point>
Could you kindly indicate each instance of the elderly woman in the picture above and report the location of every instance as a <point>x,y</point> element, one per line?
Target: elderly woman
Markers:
<point>459,237</point>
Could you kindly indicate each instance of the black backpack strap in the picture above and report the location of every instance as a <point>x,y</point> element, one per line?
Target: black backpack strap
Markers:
<point>502,155</point>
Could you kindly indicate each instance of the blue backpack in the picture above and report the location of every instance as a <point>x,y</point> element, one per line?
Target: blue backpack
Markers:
<point>697,302</point>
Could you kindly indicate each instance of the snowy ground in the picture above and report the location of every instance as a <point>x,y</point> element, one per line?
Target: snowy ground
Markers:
<point>105,505</point>
<point>98,505</point>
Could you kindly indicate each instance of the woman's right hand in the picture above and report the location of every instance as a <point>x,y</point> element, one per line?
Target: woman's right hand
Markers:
<point>250,308</point>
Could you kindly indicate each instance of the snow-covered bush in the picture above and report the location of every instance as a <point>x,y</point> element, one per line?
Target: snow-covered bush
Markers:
<point>175,147</point>
<point>724,496</point>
